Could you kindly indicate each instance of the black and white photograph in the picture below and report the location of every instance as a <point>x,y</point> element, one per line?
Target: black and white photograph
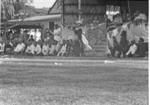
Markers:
<point>74,52</point>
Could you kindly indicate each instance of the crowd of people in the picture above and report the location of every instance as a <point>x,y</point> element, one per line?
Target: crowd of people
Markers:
<point>48,44</point>
<point>121,37</point>
<point>127,39</point>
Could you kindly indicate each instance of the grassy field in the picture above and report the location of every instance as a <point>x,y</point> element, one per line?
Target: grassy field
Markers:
<point>104,84</point>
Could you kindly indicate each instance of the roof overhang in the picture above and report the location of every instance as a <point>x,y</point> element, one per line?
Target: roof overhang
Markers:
<point>37,19</point>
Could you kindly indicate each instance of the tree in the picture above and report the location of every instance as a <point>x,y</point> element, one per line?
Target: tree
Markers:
<point>10,8</point>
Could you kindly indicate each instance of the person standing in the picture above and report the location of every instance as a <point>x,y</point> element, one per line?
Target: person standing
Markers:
<point>57,33</point>
<point>141,50</point>
<point>124,43</point>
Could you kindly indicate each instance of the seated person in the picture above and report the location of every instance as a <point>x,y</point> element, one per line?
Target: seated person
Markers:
<point>59,46</point>
<point>46,34</point>
<point>132,50</point>
<point>53,46</point>
<point>38,48</point>
<point>25,36</point>
<point>63,50</point>
<point>52,50</point>
<point>9,47</point>
<point>2,46</point>
<point>15,41</point>
<point>46,39</point>
<point>20,47</point>
<point>30,50</point>
<point>142,47</point>
<point>45,48</point>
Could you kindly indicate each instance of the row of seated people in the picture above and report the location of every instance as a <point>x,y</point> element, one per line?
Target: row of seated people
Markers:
<point>45,48</point>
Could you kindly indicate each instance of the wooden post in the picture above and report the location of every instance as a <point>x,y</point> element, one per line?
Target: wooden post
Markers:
<point>128,6</point>
<point>63,12</point>
<point>5,30</point>
<point>5,24</point>
<point>79,8</point>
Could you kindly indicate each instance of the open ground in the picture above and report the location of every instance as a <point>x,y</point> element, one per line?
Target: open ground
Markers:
<point>73,82</point>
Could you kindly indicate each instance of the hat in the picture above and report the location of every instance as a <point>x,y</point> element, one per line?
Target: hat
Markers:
<point>79,22</point>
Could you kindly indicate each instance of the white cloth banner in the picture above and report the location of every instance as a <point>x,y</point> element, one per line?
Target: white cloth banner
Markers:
<point>86,43</point>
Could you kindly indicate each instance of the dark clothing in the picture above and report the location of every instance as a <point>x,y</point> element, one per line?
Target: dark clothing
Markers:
<point>124,47</point>
<point>81,48</point>
<point>25,37</point>
<point>31,40</point>
<point>8,48</point>
<point>76,48</point>
<point>124,43</point>
<point>116,47</point>
<point>52,42</point>
<point>142,47</point>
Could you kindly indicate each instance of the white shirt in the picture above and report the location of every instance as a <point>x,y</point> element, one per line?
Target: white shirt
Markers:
<point>38,49</point>
<point>38,36</point>
<point>45,49</point>
<point>86,43</point>
<point>20,47</point>
<point>57,34</point>
<point>52,49</point>
<point>30,49</point>
<point>2,46</point>
<point>63,50</point>
<point>132,49</point>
